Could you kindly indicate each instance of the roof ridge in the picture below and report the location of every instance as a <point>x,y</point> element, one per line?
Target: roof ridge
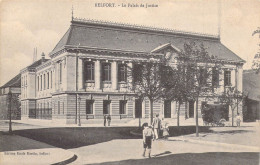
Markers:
<point>120,24</point>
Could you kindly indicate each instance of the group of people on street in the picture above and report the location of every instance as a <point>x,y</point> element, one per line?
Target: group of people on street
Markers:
<point>153,132</point>
<point>107,120</point>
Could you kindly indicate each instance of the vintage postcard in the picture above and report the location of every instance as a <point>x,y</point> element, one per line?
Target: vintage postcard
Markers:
<point>129,82</point>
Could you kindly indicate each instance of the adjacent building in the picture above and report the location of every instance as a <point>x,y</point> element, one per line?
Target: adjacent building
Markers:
<point>251,88</point>
<point>10,93</point>
<point>88,75</point>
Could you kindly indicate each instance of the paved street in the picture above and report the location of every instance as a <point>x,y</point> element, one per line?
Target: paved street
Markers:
<point>163,152</point>
<point>248,135</point>
<point>115,145</point>
<point>18,150</point>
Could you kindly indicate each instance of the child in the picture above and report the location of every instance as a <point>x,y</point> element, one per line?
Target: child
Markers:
<point>165,131</point>
<point>148,135</point>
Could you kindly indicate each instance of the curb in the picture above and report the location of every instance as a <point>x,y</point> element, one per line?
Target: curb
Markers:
<point>70,160</point>
<point>217,143</point>
<point>135,134</point>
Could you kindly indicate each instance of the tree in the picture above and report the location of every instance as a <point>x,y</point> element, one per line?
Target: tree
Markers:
<point>13,108</point>
<point>256,63</point>
<point>199,66</point>
<point>148,78</point>
<point>232,97</point>
<point>177,84</point>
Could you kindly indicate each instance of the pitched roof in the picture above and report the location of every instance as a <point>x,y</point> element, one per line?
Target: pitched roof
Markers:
<point>159,48</point>
<point>14,82</point>
<point>112,36</point>
<point>251,84</point>
<point>35,64</point>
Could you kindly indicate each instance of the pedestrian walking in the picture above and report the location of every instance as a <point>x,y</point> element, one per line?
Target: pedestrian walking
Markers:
<point>238,118</point>
<point>156,125</point>
<point>165,131</point>
<point>108,120</point>
<point>148,135</point>
<point>105,120</point>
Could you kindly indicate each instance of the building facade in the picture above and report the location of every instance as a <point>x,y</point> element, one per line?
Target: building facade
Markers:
<point>90,72</point>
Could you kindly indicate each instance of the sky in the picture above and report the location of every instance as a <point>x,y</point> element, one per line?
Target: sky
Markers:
<point>26,24</point>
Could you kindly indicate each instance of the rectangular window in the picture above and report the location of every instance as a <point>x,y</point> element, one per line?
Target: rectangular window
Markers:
<point>122,107</point>
<point>137,73</point>
<point>106,72</point>
<point>38,79</point>
<point>203,77</point>
<point>122,73</point>
<point>106,107</point>
<point>51,79</point>
<point>43,108</point>
<point>48,110</point>
<point>41,82</point>
<point>44,82</point>
<point>48,80</point>
<point>89,106</point>
<point>215,77</point>
<point>60,69</point>
<point>227,78</point>
<point>89,71</point>
<point>58,107</point>
<point>62,107</point>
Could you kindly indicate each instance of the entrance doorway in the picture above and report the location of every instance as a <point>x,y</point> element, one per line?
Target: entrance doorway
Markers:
<point>191,109</point>
<point>167,109</point>
<point>138,108</point>
<point>106,107</point>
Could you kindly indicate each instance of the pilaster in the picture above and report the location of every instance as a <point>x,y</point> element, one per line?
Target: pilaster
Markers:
<point>80,74</point>
<point>97,74</point>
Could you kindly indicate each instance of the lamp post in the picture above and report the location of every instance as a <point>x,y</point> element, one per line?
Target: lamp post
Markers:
<point>79,99</point>
<point>10,110</point>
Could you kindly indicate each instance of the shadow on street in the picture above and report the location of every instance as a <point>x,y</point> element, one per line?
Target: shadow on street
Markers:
<point>71,137</point>
<point>68,137</point>
<point>212,158</point>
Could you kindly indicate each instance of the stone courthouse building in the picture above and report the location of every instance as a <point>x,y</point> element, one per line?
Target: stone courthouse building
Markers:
<point>88,75</point>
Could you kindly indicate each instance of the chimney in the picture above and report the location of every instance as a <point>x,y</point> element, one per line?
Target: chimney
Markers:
<point>43,56</point>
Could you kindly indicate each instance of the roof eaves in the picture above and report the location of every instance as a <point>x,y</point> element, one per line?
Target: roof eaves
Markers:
<point>111,50</point>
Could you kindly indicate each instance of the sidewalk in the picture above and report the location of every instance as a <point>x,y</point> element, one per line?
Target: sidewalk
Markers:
<point>246,136</point>
<point>40,123</point>
<point>20,150</point>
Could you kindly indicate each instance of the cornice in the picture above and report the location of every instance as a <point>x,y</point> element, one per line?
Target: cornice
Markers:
<point>84,49</point>
<point>46,64</point>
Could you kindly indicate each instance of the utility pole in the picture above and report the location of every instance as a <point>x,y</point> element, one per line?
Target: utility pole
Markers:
<point>79,99</point>
<point>10,110</point>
